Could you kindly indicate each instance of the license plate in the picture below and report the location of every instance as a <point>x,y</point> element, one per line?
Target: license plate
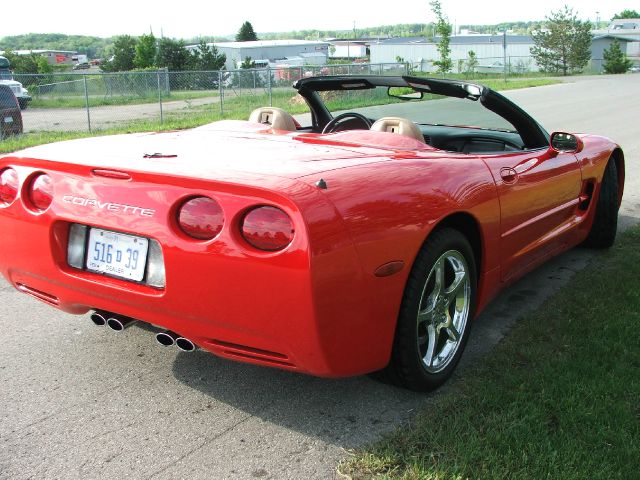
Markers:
<point>8,119</point>
<point>117,254</point>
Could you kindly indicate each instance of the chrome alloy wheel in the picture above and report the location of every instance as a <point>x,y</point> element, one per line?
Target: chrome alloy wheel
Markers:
<point>444,311</point>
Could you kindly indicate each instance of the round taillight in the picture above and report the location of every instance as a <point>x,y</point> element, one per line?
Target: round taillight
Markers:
<point>267,228</point>
<point>201,218</point>
<point>8,186</point>
<point>41,191</point>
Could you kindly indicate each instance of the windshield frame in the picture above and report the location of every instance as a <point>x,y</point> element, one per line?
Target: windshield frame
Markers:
<point>532,133</point>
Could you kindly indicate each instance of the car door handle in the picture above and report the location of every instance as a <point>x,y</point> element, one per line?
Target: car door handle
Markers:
<point>509,175</point>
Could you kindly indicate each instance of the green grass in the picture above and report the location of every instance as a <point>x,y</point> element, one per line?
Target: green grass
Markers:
<point>235,107</point>
<point>558,399</point>
<point>78,101</point>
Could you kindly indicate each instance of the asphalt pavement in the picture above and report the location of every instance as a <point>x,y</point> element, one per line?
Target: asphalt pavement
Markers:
<point>79,401</point>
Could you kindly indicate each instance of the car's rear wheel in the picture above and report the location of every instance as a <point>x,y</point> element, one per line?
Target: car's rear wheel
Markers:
<point>436,313</point>
<point>605,222</point>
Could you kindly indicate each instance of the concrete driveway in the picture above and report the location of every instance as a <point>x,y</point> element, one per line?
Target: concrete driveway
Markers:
<point>79,401</point>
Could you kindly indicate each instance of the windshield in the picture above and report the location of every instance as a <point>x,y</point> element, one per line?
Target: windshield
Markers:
<point>431,110</point>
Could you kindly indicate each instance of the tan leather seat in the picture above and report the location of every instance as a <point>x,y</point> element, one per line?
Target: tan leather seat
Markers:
<point>398,125</point>
<point>276,117</point>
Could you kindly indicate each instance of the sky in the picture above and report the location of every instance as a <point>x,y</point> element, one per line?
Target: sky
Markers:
<point>189,18</point>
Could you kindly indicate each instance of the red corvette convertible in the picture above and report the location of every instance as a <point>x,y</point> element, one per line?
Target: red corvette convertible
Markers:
<point>334,244</point>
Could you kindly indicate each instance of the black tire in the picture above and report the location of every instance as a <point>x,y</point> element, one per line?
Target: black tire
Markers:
<point>605,222</point>
<point>425,314</point>
<point>23,104</point>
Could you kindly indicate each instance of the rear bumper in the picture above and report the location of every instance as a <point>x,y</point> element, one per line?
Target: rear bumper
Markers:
<point>301,310</point>
<point>252,311</point>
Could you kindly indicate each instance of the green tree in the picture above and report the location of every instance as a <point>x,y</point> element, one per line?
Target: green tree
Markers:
<point>626,14</point>
<point>564,45</point>
<point>443,29</point>
<point>124,51</point>
<point>246,33</point>
<point>472,63</point>
<point>206,57</point>
<point>249,79</point>
<point>247,63</point>
<point>173,55</point>
<point>615,60</point>
<point>146,51</point>
<point>31,63</point>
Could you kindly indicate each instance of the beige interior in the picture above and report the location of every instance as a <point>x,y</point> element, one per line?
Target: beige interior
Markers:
<point>276,117</point>
<point>398,125</point>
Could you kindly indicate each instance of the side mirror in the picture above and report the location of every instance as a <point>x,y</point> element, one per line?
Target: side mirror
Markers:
<point>565,142</point>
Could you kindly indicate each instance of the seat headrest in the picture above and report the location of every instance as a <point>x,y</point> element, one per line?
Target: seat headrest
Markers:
<point>276,117</point>
<point>398,125</point>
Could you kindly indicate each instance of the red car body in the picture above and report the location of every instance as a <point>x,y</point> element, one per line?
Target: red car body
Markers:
<point>361,204</point>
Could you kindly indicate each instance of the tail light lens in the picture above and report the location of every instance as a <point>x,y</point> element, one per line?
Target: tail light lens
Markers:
<point>201,218</point>
<point>8,186</point>
<point>41,191</point>
<point>267,228</point>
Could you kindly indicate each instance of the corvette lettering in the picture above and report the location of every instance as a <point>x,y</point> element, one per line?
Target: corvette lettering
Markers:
<point>110,206</point>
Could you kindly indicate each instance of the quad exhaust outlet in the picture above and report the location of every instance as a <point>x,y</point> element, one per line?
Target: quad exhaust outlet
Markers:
<point>99,318</point>
<point>118,323</point>
<point>169,338</point>
<point>112,320</point>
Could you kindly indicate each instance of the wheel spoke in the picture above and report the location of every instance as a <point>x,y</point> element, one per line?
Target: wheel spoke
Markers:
<point>438,271</point>
<point>430,299</point>
<point>453,333</point>
<point>459,282</point>
<point>431,345</point>
<point>426,316</point>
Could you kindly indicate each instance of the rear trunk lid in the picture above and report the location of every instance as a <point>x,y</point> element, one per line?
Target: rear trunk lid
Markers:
<point>208,153</point>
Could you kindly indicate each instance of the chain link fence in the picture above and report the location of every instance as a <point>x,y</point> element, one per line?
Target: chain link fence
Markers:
<point>92,101</point>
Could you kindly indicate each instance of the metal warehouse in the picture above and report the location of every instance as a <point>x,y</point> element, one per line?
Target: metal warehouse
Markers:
<point>489,50</point>
<point>275,52</point>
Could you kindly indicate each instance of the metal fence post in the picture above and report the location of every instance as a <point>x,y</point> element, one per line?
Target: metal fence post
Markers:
<point>221,94</point>
<point>504,53</point>
<point>269,84</point>
<point>160,98</point>
<point>86,102</point>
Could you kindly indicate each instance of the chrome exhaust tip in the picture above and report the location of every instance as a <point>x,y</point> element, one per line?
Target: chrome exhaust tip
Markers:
<point>98,318</point>
<point>167,338</point>
<point>119,323</point>
<point>185,344</point>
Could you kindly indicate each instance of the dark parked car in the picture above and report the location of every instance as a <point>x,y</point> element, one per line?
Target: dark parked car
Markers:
<point>10,115</point>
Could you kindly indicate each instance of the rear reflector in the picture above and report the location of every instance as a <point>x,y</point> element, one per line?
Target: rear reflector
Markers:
<point>41,191</point>
<point>8,186</point>
<point>267,228</point>
<point>201,218</point>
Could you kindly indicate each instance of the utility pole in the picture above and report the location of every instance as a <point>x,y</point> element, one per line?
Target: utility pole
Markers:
<point>504,53</point>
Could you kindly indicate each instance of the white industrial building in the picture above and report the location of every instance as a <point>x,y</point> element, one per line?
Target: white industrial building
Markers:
<point>489,49</point>
<point>624,29</point>
<point>273,52</point>
<point>348,48</point>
